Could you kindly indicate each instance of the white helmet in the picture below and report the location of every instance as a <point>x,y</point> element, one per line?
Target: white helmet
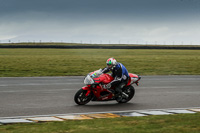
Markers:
<point>111,61</point>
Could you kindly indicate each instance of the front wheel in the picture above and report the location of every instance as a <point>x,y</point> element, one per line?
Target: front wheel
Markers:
<point>80,97</point>
<point>129,92</point>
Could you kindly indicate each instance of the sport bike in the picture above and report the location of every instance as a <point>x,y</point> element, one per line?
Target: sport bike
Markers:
<point>95,88</point>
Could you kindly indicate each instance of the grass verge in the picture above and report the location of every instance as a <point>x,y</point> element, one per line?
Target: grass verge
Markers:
<point>181,123</point>
<point>62,62</point>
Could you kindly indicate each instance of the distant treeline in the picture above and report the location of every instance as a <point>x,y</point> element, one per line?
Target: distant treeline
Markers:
<point>100,47</point>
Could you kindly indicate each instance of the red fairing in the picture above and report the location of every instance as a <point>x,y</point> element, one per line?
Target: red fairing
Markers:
<point>133,79</point>
<point>133,75</point>
<point>104,78</point>
<point>88,89</point>
<point>97,92</point>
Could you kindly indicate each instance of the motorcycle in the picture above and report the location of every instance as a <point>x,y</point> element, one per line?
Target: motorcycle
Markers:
<point>95,88</point>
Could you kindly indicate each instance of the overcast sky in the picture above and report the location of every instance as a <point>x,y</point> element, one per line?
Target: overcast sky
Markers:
<point>101,21</point>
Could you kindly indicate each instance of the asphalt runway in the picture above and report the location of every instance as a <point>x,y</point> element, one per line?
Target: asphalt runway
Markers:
<point>27,96</point>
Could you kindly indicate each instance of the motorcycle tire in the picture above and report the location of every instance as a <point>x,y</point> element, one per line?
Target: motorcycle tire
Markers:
<point>130,91</point>
<point>80,97</point>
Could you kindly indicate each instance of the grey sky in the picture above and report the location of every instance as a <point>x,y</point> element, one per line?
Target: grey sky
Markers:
<point>101,21</point>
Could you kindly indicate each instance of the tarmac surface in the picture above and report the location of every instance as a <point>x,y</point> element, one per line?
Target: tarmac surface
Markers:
<point>25,96</point>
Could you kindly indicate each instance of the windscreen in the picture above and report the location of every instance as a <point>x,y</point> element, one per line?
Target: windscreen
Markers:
<point>88,80</point>
<point>96,74</point>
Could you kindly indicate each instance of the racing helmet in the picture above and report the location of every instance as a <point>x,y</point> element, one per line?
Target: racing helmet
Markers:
<point>111,62</point>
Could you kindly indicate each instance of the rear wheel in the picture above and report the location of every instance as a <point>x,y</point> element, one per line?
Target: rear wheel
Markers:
<point>129,92</point>
<point>80,97</point>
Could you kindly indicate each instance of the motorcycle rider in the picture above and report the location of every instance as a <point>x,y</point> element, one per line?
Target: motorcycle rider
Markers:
<point>120,74</point>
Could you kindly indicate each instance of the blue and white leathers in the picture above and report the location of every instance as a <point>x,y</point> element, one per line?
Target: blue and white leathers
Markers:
<point>123,75</point>
<point>119,72</point>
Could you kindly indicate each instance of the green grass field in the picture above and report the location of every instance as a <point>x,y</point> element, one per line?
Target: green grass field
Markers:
<point>62,62</point>
<point>182,123</point>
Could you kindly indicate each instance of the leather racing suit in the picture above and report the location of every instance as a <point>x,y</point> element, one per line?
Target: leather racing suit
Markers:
<point>121,77</point>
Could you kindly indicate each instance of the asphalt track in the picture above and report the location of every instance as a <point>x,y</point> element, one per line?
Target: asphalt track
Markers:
<point>27,96</point>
